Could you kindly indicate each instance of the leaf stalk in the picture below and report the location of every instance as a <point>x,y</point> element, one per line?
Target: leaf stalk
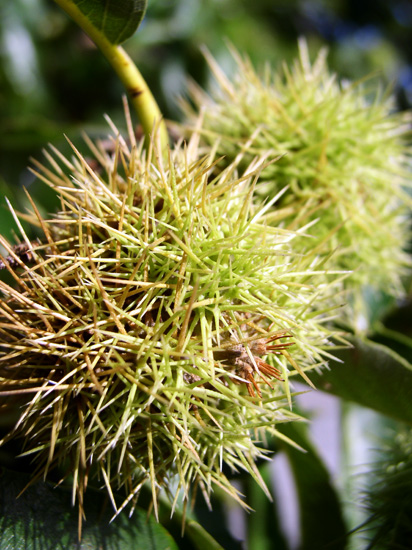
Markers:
<point>140,95</point>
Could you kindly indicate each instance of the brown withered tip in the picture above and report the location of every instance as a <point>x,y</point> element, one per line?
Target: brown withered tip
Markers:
<point>246,366</point>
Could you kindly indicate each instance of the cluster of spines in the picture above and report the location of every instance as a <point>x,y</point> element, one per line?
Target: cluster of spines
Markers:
<point>137,328</point>
<point>340,150</point>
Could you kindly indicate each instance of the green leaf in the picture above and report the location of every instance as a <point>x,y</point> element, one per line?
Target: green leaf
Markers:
<point>321,519</point>
<point>43,518</point>
<point>118,20</point>
<point>372,375</point>
<point>203,527</point>
<point>263,528</point>
<point>196,537</point>
<point>108,23</point>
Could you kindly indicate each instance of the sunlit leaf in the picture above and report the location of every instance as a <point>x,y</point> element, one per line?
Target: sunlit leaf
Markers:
<point>118,20</point>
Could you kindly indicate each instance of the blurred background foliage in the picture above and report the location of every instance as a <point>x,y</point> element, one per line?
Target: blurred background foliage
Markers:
<point>53,81</point>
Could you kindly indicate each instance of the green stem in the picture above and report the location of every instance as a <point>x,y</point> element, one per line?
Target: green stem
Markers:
<point>197,534</point>
<point>141,97</point>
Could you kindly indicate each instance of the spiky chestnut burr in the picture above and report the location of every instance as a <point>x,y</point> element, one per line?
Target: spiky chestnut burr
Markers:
<point>151,330</point>
<point>387,494</point>
<point>341,152</point>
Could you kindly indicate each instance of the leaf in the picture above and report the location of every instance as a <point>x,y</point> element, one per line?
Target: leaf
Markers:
<point>43,518</point>
<point>263,528</point>
<point>117,20</point>
<point>196,536</point>
<point>321,519</point>
<point>108,23</point>
<point>372,375</point>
